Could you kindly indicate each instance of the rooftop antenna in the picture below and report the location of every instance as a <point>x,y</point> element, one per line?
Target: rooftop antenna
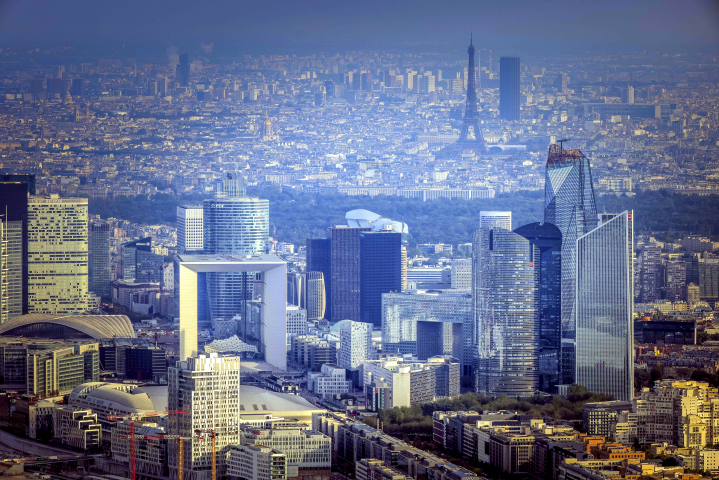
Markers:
<point>561,142</point>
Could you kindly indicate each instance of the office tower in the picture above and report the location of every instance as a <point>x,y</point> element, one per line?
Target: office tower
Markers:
<point>569,204</point>
<point>319,259</point>
<point>345,272</point>
<point>207,387</point>
<point>78,87</point>
<point>57,255</point>
<point>428,324</point>
<point>233,223</point>
<point>183,70</point>
<point>548,239</point>
<point>315,295</point>
<point>99,259</point>
<point>494,219</point>
<point>355,344</point>
<point>675,281</point>
<point>709,280</point>
<point>163,86</point>
<point>563,80</point>
<point>462,274</point>
<point>651,274</point>
<point>628,94</point>
<point>506,308</point>
<point>693,293</point>
<point>140,263</point>
<point>296,321</point>
<point>604,308</point>
<point>475,140</point>
<point>190,229</point>
<point>296,284</point>
<point>14,215</point>
<point>380,272</point>
<point>404,268</point>
<point>509,98</point>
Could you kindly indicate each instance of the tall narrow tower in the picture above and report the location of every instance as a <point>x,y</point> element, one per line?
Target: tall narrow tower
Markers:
<point>471,117</point>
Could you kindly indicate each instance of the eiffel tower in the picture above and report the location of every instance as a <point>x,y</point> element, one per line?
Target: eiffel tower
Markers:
<point>471,117</point>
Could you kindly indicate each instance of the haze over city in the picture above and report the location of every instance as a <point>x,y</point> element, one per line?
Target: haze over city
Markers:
<point>399,240</point>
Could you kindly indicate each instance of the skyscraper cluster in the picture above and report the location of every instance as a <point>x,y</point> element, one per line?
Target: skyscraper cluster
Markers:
<point>552,302</point>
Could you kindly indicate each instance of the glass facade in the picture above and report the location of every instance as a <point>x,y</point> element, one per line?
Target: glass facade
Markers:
<point>427,323</point>
<point>380,272</point>
<point>506,306</point>
<point>233,225</point>
<point>99,267</point>
<point>319,259</point>
<point>605,305</point>
<point>570,205</point>
<point>548,239</point>
<point>346,272</point>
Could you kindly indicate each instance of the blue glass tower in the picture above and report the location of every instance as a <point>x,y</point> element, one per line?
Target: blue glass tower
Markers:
<point>380,272</point>
<point>319,259</point>
<point>506,307</point>
<point>570,205</point>
<point>604,308</point>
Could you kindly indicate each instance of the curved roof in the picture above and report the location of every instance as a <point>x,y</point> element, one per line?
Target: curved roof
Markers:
<point>128,396</point>
<point>95,326</point>
<point>269,401</point>
<point>337,327</point>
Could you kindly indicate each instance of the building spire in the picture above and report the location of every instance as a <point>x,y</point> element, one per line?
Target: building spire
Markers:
<point>470,38</point>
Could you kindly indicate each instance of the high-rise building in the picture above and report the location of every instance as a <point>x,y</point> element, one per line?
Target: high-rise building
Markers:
<point>506,308</point>
<point>380,272</point>
<point>604,308</point>
<point>233,224</point>
<point>183,70</point>
<point>57,255</point>
<point>14,215</point>
<point>675,281</point>
<point>190,229</point>
<point>462,274</point>
<point>709,279</point>
<point>99,259</point>
<point>140,263</point>
<point>427,324</point>
<point>651,274</point>
<point>569,204</point>
<point>628,94</point>
<point>315,295</point>
<point>319,259</point>
<point>345,272</point>
<point>355,344</point>
<point>492,219</point>
<point>296,321</point>
<point>509,98</point>
<point>548,239</point>
<point>207,387</point>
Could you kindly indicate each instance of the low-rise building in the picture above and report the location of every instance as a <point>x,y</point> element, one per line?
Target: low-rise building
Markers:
<point>77,428</point>
<point>372,469</point>
<point>256,462</point>
<point>329,382</point>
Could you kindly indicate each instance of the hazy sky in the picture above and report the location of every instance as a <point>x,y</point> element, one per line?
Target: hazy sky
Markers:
<point>280,26</point>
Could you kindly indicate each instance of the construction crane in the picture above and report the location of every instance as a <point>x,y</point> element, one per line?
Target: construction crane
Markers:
<point>180,443</point>
<point>133,416</point>
<point>561,142</point>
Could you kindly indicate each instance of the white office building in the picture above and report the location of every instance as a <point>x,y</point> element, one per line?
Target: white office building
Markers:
<point>256,462</point>
<point>462,273</point>
<point>355,344</point>
<point>495,220</point>
<point>329,382</point>
<point>208,388</point>
<point>189,228</point>
<point>308,452</point>
<point>296,321</point>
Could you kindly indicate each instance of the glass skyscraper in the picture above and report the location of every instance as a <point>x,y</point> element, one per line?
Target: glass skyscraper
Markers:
<point>604,308</point>
<point>99,266</point>
<point>319,259</point>
<point>233,223</point>
<point>506,306</point>
<point>380,272</point>
<point>346,272</point>
<point>548,239</point>
<point>570,205</point>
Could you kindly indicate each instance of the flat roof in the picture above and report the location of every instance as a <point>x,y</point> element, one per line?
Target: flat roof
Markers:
<point>225,258</point>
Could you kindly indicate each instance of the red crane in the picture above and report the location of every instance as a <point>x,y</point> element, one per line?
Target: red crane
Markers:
<point>133,416</point>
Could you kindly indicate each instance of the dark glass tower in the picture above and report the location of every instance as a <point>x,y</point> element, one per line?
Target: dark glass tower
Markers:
<point>509,88</point>
<point>380,272</point>
<point>548,239</point>
<point>319,259</point>
<point>99,271</point>
<point>506,309</point>
<point>570,205</point>
<point>183,70</point>
<point>14,216</point>
<point>346,272</point>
